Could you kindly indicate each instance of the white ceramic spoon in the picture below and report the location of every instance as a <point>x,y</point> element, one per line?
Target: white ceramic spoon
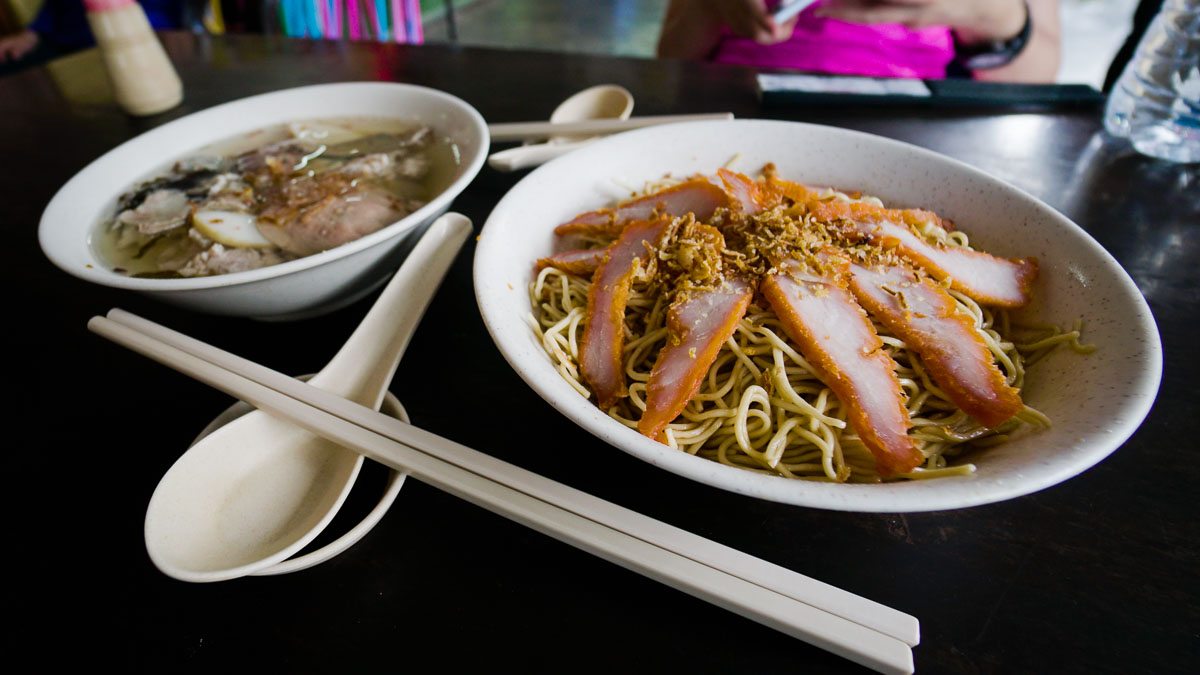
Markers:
<point>257,490</point>
<point>392,407</point>
<point>603,101</point>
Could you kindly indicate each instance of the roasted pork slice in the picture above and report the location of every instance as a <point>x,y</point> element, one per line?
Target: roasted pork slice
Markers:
<point>797,192</point>
<point>831,207</point>
<point>747,195</point>
<point>604,333</point>
<point>333,221</point>
<point>920,312</point>
<point>582,262</point>
<point>838,340</point>
<point>984,278</point>
<point>698,323</point>
<point>699,197</point>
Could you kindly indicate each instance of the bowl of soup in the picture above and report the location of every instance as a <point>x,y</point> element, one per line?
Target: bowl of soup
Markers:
<point>278,206</point>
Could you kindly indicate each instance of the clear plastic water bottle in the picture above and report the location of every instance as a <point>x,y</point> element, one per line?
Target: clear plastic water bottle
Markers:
<point>1156,103</point>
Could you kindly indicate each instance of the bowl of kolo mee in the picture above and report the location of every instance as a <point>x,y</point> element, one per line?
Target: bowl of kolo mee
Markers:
<point>815,316</point>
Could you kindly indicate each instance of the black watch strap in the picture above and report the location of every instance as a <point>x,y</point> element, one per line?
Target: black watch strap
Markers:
<point>984,55</point>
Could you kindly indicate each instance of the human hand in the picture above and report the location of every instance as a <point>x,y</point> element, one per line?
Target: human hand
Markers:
<point>750,19</point>
<point>972,20</point>
<point>14,47</point>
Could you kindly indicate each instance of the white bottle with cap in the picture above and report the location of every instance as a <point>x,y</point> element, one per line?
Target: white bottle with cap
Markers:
<point>143,79</point>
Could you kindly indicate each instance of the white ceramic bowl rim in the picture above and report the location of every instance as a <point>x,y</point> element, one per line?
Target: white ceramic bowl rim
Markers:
<point>686,145</point>
<point>117,157</point>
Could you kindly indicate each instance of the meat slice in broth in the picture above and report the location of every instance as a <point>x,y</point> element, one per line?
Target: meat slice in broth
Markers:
<point>160,211</point>
<point>335,220</point>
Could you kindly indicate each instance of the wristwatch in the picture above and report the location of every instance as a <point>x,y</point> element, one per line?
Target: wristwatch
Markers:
<point>984,55</point>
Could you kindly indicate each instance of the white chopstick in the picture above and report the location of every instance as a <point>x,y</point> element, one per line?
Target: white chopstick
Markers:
<point>525,131</point>
<point>868,613</point>
<point>816,626</point>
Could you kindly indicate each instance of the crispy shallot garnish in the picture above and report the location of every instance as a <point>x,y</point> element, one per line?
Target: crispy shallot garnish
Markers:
<point>699,197</point>
<point>581,262</point>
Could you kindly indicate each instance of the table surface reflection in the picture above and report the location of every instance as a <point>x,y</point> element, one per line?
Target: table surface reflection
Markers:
<point>1095,575</point>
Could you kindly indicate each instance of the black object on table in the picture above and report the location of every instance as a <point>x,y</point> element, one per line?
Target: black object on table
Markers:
<point>798,89</point>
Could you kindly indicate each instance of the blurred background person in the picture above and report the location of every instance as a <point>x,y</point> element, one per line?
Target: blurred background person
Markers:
<point>1005,40</point>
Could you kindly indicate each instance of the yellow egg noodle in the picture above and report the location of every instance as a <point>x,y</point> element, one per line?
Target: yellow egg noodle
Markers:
<point>762,407</point>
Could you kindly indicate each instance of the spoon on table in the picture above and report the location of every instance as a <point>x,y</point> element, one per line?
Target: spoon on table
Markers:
<point>603,101</point>
<point>257,490</point>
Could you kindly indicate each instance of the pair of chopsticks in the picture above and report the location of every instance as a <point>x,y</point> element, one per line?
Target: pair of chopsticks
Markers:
<point>853,627</point>
<point>529,131</point>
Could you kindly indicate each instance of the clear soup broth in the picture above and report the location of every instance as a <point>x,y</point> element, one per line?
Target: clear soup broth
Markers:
<point>274,195</point>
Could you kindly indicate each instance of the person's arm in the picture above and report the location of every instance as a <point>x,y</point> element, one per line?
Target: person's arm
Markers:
<point>973,22</point>
<point>689,31</point>
<point>692,28</point>
<point>13,47</point>
<point>1039,60</point>
<point>17,45</point>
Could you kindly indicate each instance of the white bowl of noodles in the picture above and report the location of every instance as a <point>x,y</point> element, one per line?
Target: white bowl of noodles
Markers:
<point>1094,401</point>
<point>315,283</point>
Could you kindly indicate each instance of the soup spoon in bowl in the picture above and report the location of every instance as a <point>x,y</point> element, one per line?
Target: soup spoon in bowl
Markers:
<point>256,491</point>
<point>603,101</point>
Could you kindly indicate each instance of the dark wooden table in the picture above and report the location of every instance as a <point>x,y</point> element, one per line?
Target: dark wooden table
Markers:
<point>1095,575</point>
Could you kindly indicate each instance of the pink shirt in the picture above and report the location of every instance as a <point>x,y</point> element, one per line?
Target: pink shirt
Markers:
<point>829,46</point>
